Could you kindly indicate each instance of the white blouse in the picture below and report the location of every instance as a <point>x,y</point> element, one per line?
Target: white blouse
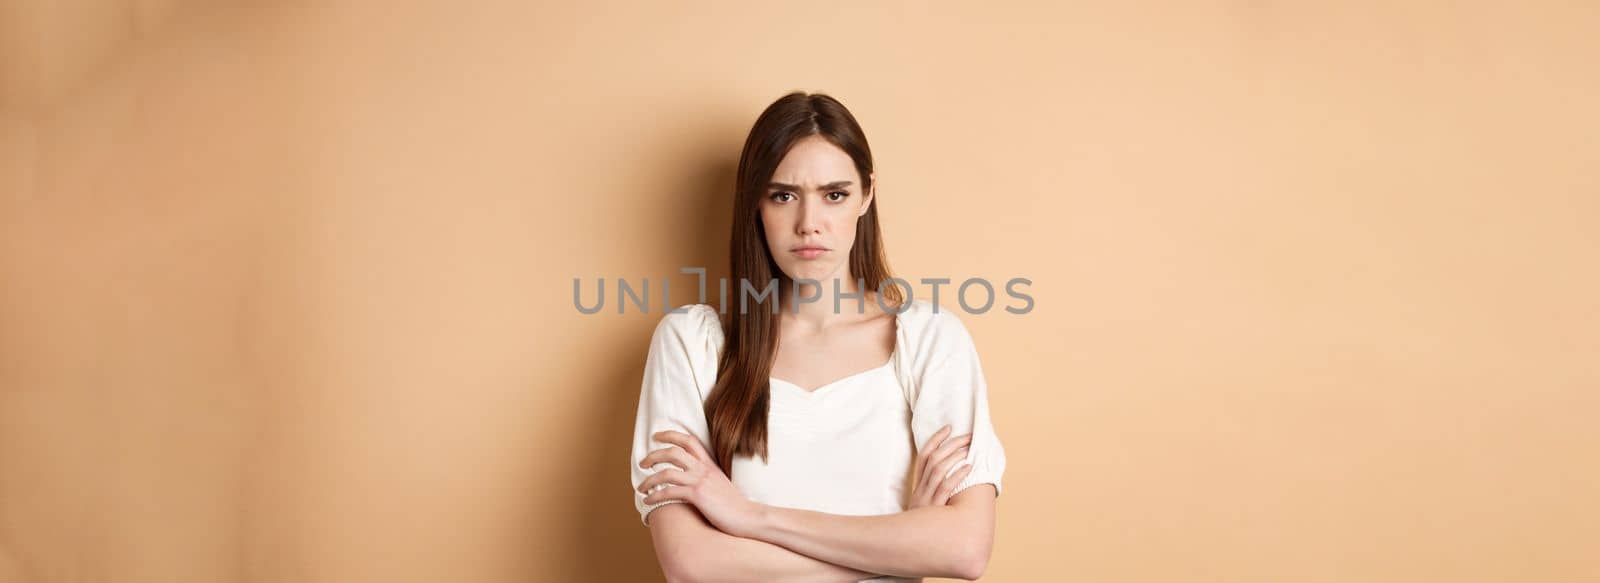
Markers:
<point>845,447</point>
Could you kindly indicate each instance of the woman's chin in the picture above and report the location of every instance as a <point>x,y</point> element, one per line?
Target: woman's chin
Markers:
<point>811,273</point>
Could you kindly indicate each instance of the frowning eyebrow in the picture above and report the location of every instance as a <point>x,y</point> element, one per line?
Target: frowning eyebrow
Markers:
<point>828,186</point>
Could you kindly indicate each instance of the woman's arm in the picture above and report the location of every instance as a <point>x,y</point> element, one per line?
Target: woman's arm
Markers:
<point>951,540</point>
<point>930,541</point>
<point>691,549</point>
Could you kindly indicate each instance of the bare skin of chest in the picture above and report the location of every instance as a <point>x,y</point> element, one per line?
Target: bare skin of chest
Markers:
<point>813,358</point>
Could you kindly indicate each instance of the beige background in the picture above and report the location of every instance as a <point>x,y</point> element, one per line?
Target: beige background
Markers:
<point>285,288</point>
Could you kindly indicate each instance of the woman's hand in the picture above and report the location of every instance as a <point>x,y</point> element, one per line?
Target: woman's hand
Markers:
<point>938,454</point>
<point>698,481</point>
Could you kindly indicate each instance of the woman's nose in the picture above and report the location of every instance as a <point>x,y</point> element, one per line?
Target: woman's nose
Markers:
<point>808,221</point>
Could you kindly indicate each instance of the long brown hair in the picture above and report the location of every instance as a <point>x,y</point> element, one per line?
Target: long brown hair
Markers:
<point>736,410</point>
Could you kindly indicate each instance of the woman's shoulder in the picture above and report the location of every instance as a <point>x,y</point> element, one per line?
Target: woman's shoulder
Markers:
<point>926,326</point>
<point>691,322</point>
<point>928,317</point>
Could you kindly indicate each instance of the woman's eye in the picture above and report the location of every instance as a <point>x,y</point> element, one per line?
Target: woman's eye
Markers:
<point>778,196</point>
<point>842,195</point>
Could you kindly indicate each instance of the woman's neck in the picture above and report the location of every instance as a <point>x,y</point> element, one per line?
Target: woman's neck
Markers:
<point>817,311</point>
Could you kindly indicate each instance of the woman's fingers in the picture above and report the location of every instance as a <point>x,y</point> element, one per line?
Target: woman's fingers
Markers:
<point>939,453</point>
<point>948,461</point>
<point>927,448</point>
<point>947,488</point>
<point>936,439</point>
<point>670,492</point>
<point>688,442</point>
<point>943,450</point>
<point>935,482</point>
<point>672,455</point>
<point>675,477</point>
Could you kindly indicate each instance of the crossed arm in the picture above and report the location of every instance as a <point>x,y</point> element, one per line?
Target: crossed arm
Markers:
<point>721,535</point>
<point>800,545</point>
<point>690,549</point>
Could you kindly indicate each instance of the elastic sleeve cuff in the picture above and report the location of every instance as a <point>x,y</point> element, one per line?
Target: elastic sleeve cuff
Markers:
<point>646,509</point>
<point>987,469</point>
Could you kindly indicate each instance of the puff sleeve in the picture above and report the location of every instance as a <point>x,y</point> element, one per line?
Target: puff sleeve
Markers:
<point>950,390</point>
<point>679,372</point>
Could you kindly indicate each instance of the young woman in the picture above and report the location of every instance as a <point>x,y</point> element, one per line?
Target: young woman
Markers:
<point>832,431</point>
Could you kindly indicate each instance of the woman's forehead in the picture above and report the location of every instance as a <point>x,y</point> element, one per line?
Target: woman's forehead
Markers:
<point>815,164</point>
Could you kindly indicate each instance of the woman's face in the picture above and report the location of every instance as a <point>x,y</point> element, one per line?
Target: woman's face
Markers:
<point>810,211</point>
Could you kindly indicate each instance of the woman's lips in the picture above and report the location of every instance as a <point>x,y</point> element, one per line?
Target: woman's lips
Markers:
<point>809,252</point>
